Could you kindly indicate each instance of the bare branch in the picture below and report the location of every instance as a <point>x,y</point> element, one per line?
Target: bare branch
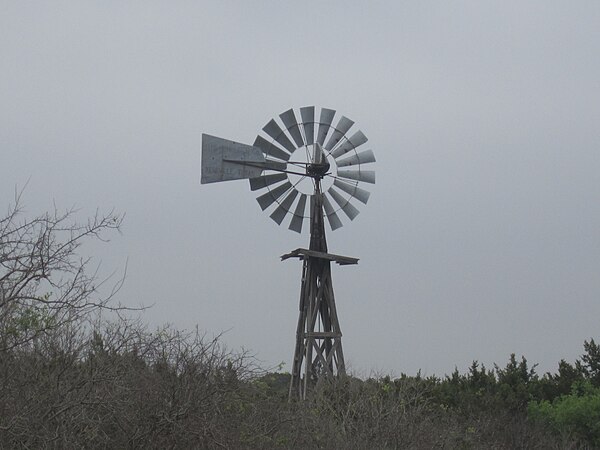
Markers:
<point>44,282</point>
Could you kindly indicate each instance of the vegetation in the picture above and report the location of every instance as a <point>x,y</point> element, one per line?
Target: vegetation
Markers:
<point>71,379</point>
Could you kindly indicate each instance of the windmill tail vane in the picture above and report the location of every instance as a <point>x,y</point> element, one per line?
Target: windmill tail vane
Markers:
<point>297,165</point>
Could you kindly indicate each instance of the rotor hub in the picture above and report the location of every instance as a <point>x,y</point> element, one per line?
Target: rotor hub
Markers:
<point>318,170</point>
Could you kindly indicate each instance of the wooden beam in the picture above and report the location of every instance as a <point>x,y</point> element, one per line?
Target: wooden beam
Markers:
<point>303,253</point>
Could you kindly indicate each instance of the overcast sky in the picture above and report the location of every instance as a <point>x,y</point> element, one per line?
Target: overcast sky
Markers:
<point>482,234</point>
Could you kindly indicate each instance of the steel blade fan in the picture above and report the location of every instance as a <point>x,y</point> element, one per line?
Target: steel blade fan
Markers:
<point>306,165</point>
<point>331,166</point>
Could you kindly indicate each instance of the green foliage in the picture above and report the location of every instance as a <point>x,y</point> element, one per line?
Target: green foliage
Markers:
<point>552,386</point>
<point>509,388</point>
<point>576,414</point>
<point>275,384</point>
<point>570,399</point>
<point>590,362</point>
<point>24,322</point>
<point>30,319</point>
<point>516,383</point>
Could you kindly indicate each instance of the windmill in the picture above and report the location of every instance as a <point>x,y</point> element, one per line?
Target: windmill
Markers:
<point>308,170</point>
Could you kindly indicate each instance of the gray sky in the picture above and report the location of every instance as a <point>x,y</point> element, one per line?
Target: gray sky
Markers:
<point>481,237</point>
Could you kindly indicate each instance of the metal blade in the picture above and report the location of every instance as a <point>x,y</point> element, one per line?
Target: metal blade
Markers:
<point>345,204</point>
<point>298,217</point>
<point>356,192</point>
<point>268,198</point>
<point>266,180</point>
<point>368,176</point>
<point>289,120</point>
<point>308,122</point>
<point>324,124</point>
<point>353,141</point>
<point>334,220</point>
<point>284,207</point>
<point>339,131</point>
<point>360,158</point>
<point>273,130</point>
<point>269,148</point>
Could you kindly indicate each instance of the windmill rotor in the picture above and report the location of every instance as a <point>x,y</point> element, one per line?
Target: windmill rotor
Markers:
<point>332,157</point>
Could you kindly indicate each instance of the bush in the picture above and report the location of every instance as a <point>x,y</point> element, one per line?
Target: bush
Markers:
<point>576,414</point>
<point>71,380</point>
